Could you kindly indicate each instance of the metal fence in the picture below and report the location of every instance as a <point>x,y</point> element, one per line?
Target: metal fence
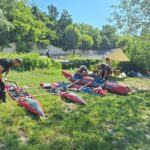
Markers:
<point>56,52</point>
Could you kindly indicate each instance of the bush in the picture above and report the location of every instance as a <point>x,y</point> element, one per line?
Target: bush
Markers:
<point>138,53</point>
<point>33,61</point>
<point>75,62</point>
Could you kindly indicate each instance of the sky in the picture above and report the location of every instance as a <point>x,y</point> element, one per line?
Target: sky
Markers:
<point>93,12</point>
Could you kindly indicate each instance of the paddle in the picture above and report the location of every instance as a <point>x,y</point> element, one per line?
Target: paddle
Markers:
<point>101,84</point>
<point>12,82</point>
<point>90,83</point>
<point>74,83</point>
<point>86,84</point>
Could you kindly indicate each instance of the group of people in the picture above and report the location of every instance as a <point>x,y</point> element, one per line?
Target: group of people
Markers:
<point>5,65</point>
<point>103,71</point>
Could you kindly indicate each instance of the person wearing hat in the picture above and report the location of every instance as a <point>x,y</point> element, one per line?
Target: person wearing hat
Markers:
<point>104,70</point>
<point>5,65</point>
<point>81,72</point>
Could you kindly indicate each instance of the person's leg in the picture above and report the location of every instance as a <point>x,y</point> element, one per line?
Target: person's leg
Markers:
<point>2,92</point>
<point>78,76</point>
<point>102,74</point>
<point>106,78</point>
<point>0,95</point>
<point>3,96</point>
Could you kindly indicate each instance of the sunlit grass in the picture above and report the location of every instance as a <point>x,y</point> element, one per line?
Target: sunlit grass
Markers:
<point>106,123</point>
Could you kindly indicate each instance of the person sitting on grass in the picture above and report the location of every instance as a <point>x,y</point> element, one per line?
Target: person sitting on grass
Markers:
<point>81,72</point>
<point>5,65</point>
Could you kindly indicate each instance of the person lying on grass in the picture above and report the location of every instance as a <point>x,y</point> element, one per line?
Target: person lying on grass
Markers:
<point>5,65</point>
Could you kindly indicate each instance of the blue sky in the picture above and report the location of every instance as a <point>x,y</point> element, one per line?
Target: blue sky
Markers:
<point>93,12</point>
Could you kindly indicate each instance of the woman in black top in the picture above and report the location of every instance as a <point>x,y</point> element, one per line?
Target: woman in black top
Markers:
<point>5,65</point>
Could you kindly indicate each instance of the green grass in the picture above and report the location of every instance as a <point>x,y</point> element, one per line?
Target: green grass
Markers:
<point>113,122</point>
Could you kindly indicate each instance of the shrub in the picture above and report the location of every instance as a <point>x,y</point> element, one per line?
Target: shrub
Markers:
<point>33,61</point>
<point>76,61</point>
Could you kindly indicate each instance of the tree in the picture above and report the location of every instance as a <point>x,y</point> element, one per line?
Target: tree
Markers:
<point>52,12</point>
<point>71,39</point>
<point>138,52</point>
<point>28,29</point>
<point>64,21</point>
<point>86,29</point>
<point>97,39</point>
<point>87,42</point>
<point>109,37</point>
<point>5,25</point>
<point>36,12</point>
<point>8,8</point>
<point>105,44</point>
<point>6,11</point>
<point>132,16</point>
<point>145,32</point>
<point>51,34</point>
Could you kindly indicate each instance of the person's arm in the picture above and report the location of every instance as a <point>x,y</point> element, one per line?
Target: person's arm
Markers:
<point>1,70</point>
<point>87,72</point>
<point>105,74</point>
<point>98,69</point>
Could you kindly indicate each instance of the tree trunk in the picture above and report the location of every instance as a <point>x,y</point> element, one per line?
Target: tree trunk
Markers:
<point>73,52</point>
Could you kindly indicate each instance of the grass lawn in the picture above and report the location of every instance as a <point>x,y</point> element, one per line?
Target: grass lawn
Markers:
<point>113,122</point>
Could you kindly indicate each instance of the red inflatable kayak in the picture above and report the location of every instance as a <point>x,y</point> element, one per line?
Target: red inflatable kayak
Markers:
<point>24,99</point>
<point>91,82</point>
<point>73,97</point>
<point>62,86</point>
<point>52,88</point>
<point>91,90</point>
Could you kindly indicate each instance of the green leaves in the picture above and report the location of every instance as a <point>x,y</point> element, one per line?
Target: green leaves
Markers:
<point>109,37</point>
<point>29,27</point>
<point>138,52</point>
<point>94,33</point>
<point>53,13</point>
<point>87,42</point>
<point>33,61</point>
<point>132,16</point>
<point>5,25</point>
<point>64,21</point>
<point>71,38</point>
